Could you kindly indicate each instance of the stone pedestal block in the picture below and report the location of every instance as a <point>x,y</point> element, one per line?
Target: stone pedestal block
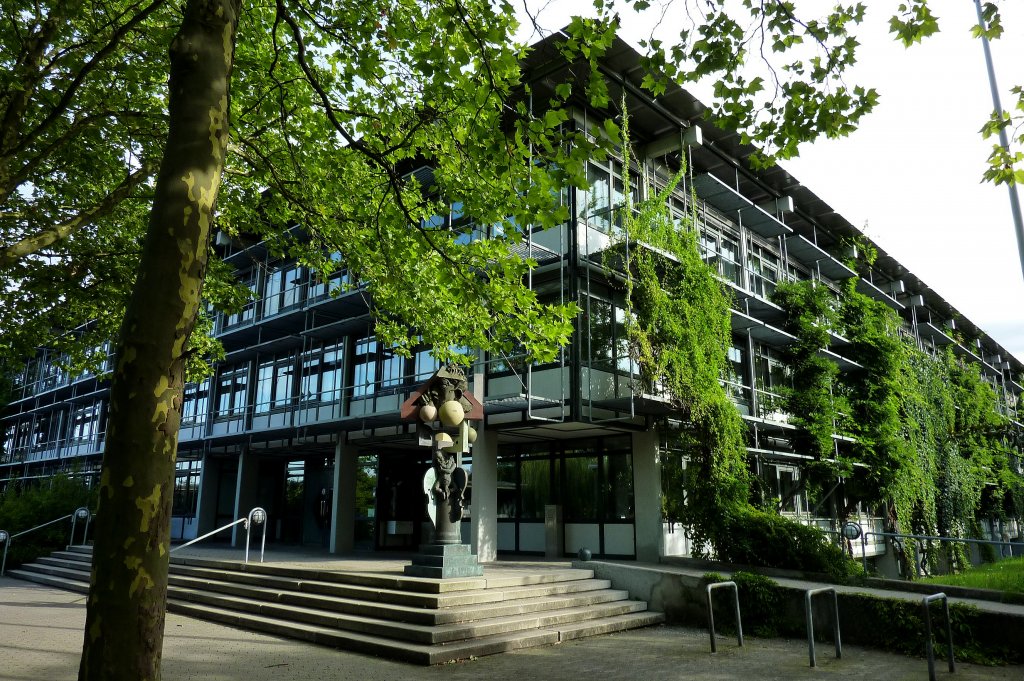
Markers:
<point>444,561</point>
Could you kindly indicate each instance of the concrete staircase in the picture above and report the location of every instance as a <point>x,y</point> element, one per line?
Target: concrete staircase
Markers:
<point>418,620</point>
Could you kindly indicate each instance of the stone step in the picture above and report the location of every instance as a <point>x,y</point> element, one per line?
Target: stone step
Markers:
<point>407,618</point>
<point>234,583</point>
<point>71,573</point>
<point>395,597</point>
<point>378,624</point>
<point>394,582</point>
<point>519,601</point>
<point>50,561</point>
<point>70,557</point>
<point>56,581</point>
<point>609,625</point>
<point>350,640</point>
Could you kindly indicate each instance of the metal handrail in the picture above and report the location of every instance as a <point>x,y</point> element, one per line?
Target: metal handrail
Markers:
<point>925,537</point>
<point>259,517</point>
<point>711,613</point>
<point>810,621</point>
<point>256,516</point>
<point>928,633</point>
<point>81,513</point>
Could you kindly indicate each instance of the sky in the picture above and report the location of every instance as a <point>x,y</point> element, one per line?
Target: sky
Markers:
<point>910,176</point>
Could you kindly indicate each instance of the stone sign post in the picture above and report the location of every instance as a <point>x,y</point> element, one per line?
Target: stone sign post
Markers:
<point>443,408</point>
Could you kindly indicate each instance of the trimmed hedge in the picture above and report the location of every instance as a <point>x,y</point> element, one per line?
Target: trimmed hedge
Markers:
<point>761,539</point>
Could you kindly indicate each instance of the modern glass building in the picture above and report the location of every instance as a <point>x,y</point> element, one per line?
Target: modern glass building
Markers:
<point>302,416</point>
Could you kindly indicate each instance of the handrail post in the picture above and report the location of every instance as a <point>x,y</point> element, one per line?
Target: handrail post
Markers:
<point>929,646</point>
<point>711,613</point>
<point>810,621</point>
<point>81,513</point>
<point>864,551</point>
<point>256,516</point>
<point>5,539</point>
<point>85,536</point>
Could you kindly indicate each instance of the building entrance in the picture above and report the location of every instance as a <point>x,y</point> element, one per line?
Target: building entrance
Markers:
<point>401,511</point>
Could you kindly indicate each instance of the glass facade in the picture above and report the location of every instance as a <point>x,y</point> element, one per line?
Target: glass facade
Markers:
<point>304,368</point>
<point>591,480</point>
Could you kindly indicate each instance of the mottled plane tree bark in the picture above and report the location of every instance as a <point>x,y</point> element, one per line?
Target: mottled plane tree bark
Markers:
<point>128,590</point>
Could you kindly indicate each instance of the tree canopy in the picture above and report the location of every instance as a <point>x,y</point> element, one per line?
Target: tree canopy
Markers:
<point>328,95</point>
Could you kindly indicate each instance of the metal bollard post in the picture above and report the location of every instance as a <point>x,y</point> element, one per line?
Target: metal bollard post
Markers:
<point>929,646</point>
<point>711,613</point>
<point>810,621</point>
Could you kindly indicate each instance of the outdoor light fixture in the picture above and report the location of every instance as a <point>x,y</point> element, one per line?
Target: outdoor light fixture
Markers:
<point>82,513</point>
<point>3,536</point>
<point>852,530</point>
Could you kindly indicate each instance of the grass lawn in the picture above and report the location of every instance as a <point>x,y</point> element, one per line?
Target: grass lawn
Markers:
<point>1004,575</point>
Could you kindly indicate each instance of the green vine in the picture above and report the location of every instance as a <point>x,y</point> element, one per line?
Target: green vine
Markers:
<point>679,334</point>
<point>928,427</point>
<point>810,310</point>
<point>925,429</point>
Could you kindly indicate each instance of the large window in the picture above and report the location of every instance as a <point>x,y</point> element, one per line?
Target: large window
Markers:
<point>591,479</point>
<point>721,249</point>
<point>773,378</point>
<point>737,382</point>
<point>274,383</point>
<point>186,488</point>
<point>375,368</point>
<point>609,342</point>
<point>46,432</point>
<point>582,490</point>
<point>535,486</point>
<point>323,370</point>
<point>231,396</point>
<point>7,448</point>
<point>283,289</point>
<point>246,314</point>
<point>617,481</point>
<point>337,280</point>
<point>599,206</point>
<point>85,420</point>
<point>783,484</point>
<point>765,269</point>
<point>196,403</point>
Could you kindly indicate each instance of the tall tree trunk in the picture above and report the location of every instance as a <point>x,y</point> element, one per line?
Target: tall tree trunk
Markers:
<point>128,593</point>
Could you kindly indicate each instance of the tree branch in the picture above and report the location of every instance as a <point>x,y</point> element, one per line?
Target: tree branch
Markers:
<point>65,101</point>
<point>32,244</point>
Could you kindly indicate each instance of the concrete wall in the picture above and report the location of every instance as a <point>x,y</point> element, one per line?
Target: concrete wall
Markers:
<point>868,616</point>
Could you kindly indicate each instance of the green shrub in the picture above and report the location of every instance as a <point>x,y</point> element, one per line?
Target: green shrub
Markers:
<point>764,539</point>
<point>26,506</point>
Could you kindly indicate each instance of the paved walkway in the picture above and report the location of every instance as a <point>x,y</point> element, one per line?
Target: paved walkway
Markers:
<point>41,637</point>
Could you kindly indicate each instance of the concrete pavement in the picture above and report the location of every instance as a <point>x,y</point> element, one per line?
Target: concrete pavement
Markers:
<point>41,637</point>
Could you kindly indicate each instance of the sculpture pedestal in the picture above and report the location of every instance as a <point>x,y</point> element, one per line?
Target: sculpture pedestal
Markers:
<point>444,561</point>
